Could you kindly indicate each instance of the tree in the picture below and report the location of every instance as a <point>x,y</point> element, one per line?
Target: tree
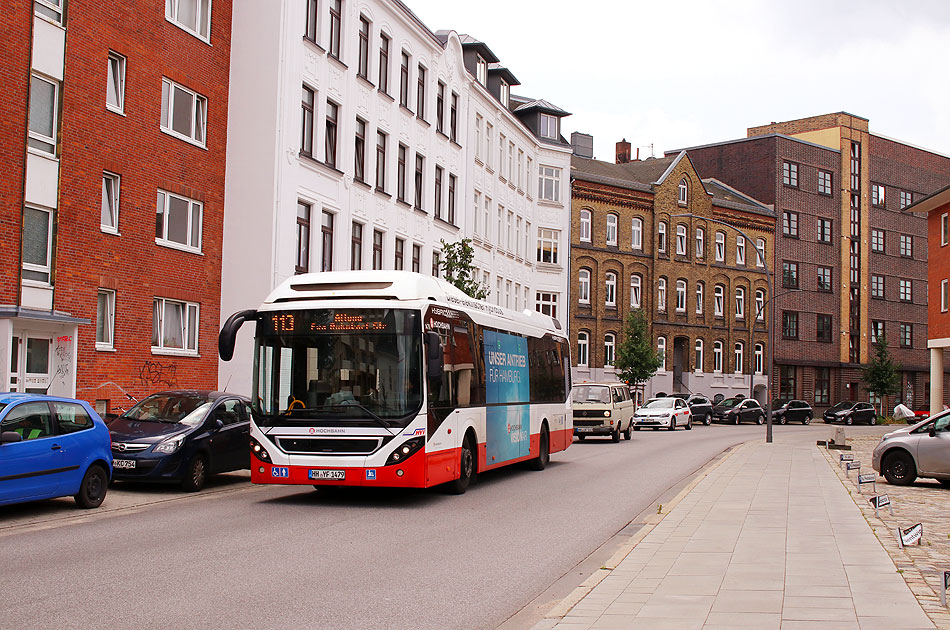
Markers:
<point>637,357</point>
<point>456,265</point>
<point>882,375</point>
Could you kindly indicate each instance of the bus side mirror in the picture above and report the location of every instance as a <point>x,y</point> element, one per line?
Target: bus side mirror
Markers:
<point>435,361</point>
<point>229,332</point>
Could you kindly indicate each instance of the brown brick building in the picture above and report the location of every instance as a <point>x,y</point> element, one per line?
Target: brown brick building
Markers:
<point>112,212</point>
<point>854,261</point>
<point>700,283</point>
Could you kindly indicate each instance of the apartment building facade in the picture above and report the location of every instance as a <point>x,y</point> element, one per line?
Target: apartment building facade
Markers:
<point>114,197</point>
<point>651,235</point>
<point>401,138</point>
<point>850,259</point>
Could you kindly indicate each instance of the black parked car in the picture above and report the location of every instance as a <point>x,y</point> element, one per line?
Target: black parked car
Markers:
<point>181,437</point>
<point>850,411</point>
<point>785,411</point>
<point>739,409</point>
<point>700,407</point>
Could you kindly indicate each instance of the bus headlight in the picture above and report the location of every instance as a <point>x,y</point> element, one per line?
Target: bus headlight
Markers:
<point>405,450</point>
<point>259,451</point>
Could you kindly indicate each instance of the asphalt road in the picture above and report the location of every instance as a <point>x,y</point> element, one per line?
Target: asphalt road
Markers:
<point>246,556</point>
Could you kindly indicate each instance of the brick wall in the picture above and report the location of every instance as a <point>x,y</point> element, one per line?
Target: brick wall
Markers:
<point>938,322</point>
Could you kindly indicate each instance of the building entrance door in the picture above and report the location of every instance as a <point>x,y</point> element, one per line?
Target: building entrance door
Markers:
<point>679,362</point>
<point>30,360</point>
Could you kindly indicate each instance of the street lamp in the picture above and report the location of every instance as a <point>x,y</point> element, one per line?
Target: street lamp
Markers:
<point>771,337</point>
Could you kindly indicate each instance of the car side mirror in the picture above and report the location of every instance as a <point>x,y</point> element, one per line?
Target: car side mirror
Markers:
<point>932,431</point>
<point>218,424</point>
<point>10,436</point>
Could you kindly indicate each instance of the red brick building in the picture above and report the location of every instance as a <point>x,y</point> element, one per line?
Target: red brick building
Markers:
<point>112,214</point>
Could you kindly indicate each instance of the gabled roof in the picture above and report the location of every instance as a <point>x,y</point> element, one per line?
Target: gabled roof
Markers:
<point>637,175</point>
<point>471,42</point>
<point>537,104</point>
<point>726,196</point>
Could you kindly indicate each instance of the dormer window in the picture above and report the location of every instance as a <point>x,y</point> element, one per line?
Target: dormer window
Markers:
<point>481,70</point>
<point>504,93</point>
<point>548,128</point>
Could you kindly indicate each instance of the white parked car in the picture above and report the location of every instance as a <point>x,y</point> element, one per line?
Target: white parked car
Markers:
<point>602,409</point>
<point>663,413</point>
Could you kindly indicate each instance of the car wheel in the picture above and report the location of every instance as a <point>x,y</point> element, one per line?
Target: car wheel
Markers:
<point>672,426</point>
<point>92,490</point>
<point>636,428</point>
<point>849,420</point>
<point>615,436</point>
<point>898,468</point>
<point>735,420</point>
<point>827,421</point>
<point>761,419</point>
<point>628,435</point>
<point>581,437</point>
<point>656,428</point>
<point>466,469</point>
<point>781,420</point>
<point>544,451</point>
<point>707,419</point>
<point>689,423</point>
<point>807,420</point>
<point>196,475</point>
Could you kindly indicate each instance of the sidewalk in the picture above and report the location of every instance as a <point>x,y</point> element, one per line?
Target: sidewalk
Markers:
<point>768,539</point>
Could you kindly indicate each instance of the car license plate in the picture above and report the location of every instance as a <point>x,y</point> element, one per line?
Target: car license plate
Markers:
<point>584,429</point>
<point>328,474</point>
<point>123,463</point>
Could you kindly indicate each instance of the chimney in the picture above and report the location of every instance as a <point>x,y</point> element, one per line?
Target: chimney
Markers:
<point>582,144</point>
<point>623,151</point>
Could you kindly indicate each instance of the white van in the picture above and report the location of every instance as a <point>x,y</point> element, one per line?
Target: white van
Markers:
<point>602,409</point>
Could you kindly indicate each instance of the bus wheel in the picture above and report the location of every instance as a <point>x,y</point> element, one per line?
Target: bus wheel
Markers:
<point>544,451</point>
<point>466,469</point>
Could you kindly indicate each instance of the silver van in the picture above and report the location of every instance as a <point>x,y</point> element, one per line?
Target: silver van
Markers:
<point>602,409</point>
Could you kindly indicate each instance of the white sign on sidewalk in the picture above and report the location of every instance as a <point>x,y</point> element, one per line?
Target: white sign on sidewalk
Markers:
<point>880,501</point>
<point>870,478</point>
<point>911,535</point>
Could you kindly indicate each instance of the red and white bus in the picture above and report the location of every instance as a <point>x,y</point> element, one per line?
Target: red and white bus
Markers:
<point>395,379</point>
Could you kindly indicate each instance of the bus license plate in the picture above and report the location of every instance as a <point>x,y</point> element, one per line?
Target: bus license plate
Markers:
<point>123,463</point>
<point>328,474</point>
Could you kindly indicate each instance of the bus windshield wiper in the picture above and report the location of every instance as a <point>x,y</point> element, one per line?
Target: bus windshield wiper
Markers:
<point>342,409</point>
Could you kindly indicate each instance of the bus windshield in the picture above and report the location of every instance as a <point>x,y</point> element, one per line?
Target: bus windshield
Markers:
<point>338,364</point>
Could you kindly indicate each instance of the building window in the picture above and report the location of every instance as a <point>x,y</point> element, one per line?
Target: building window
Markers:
<point>877,286</point>
<point>717,357</point>
<point>822,386</point>
<point>661,294</point>
<point>53,9</point>
<point>680,240</point>
<point>907,245</point>
<point>759,354</point>
<point>636,283</point>
<point>680,296</point>
<point>184,113</point>
<point>416,258</point>
<point>790,224</point>
<point>585,226</point>
<point>906,198</point>
<point>486,216</point>
<point>437,264</point>
<point>582,349</point>
<point>451,200</point>
<point>478,138</point>
<point>700,243</point>
<point>115,84</point>
<point>698,359</point>
<point>404,80</point>
<point>790,174</point>
<point>303,238</point>
<point>611,229</point>
<point>504,92</point>
<point>760,252</point>
<point>174,325</point>
<point>381,161</point>
<point>549,183</point>
<point>738,357</point>
<point>401,173</point>
<point>547,245</point>
<point>330,140</point>
<point>823,328</point>
<point>583,282</point>
<point>877,240</point>
<point>336,17</point>
<point>877,195</point>
<point>609,345</point>
<point>502,143</point>
<point>420,169</point>
<point>905,291</point>
<point>437,201</point>
<point>359,152</point>
<point>661,237</point>
<point>944,228</point>
<point>400,254</point>
<point>824,278</point>
<point>740,303</point>
<point>943,296</point>
<point>105,319</point>
<point>719,301</point>
<point>636,230</point>
<point>787,388</point>
<point>310,21</point>
<point>759,305</point>
<point>877,331</point>
<point>740,250</point>
<point>454,118</point>
<point>907,336</point>
<point>192,15</point>
<point>824,230</point>
<point>790,274</point>
<point>326,256</point>
<point>384,63</point>
<point>109,218</point>
<point>610,294</point>
<point>700,288</point>
<point>481,70</point>
<point>362,66</point>
<point>44,105</point>
<point>178,221</point>
<point>720,246</point>
<point>356,246</point>
<point>440,108</point>
<point>377,249</point>
<point>548,127</point>
<point>683,192</point>
<point>547,303</point>
<point>661,351</point>
<point>306,122</point>
<point>421,91</point>
<point>790,324</point>
<point>824,182</point>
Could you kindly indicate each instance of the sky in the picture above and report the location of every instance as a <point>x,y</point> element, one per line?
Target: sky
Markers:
<point>678,73</point>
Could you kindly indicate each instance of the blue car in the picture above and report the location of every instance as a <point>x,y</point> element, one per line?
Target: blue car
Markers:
<point>181,437</point>
<point>52,447</point>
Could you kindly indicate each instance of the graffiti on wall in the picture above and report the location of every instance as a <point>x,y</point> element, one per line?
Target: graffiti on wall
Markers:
<point>155,373</point>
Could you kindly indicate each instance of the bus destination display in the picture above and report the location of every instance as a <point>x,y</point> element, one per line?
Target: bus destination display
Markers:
<point>326,322</point>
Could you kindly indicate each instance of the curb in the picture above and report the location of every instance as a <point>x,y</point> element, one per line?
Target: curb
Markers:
<point>903,563</point>
<point>563,607</point>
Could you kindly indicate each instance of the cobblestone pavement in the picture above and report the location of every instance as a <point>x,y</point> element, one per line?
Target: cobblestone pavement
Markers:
<point>926,502</point>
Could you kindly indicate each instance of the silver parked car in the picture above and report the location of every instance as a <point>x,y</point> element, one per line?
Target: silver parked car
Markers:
<point>921,450</point>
